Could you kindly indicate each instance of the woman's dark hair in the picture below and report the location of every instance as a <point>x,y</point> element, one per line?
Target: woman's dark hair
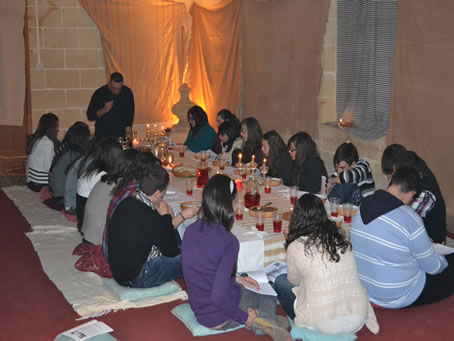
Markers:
<point>105,157</point>
<point>227,115</point>
<point>47,126</point>
<point>389,155</point>
<point>231,130</point>
<point>94,149</point>
<point>345,152</point>
<point>305,149</point>
<point>253,145</point>
<point>76,141</point>
<point>277,147</point>
<point>200,118</point>
<point>123,166</point>
<point>309,219</point>
<point>217,201</point>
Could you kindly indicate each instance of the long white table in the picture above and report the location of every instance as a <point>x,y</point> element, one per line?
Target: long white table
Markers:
<point>257,249</point>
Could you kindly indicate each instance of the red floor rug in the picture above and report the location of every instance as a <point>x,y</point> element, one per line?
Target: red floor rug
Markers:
<point>34,309</point>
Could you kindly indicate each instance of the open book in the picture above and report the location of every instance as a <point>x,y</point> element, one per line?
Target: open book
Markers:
<point>88,330</point>
<point>265,288</point>
<point>275,269</point>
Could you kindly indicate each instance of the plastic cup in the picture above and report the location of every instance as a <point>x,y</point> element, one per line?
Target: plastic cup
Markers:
<point>347,212</point>
<point>189,185</point>
<point>267,184</point>
<point>260,220</point>
<point>203,155</point>
<point>277,221</point>
<point>293,194</point>
<point>334,206</point>
<point>239,209</point>
<point>181,150</point>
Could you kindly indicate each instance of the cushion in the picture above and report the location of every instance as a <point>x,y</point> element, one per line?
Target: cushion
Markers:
<point>185,314</point>
<point>102,337</point>
<point>135,294</point>
<point>94,263</point>
<point>51,203</point>
<point>301,333</point>
<point>84,249</point>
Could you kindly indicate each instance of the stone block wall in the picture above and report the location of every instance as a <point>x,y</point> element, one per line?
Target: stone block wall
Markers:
<point>72,64</point>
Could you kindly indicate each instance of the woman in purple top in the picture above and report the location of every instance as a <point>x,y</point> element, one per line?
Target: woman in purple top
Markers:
<point>209,254</point>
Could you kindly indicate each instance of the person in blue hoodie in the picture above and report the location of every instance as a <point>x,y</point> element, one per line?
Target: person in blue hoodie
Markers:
<point>201,134</point>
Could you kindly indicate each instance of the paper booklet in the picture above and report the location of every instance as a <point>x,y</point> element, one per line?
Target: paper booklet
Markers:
<point>275,269</point>
<point>88,330</point>
<point>265,288</point>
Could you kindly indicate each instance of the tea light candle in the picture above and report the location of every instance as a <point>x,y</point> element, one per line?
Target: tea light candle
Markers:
<point>135,143</point>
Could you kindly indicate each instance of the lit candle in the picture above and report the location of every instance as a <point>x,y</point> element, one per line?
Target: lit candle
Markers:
<point>253,157</point>
<point>240,156</point>
<point>135,143</point>
<point>170,159</point>
<point>264,162</point>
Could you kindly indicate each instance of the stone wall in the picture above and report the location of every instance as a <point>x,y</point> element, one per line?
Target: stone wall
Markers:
<point>71,57</point>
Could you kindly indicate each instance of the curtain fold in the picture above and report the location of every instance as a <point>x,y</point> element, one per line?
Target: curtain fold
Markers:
<point>143,40</point>
<point>12,62</point>
<point>365,53</point>
<point>215,57</point>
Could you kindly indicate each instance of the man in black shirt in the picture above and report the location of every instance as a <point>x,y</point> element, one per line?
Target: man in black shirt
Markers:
<point>112,107</point>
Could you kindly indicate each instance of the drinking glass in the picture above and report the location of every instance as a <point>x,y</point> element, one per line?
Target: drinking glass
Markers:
<point>267,184</point>
<point>277,221</point>
<point>239,209</point>
<point>189,185</point>
<point>334,206</point>
<point>293,194</point>
<point>260,220</point>
<point>347,212</point>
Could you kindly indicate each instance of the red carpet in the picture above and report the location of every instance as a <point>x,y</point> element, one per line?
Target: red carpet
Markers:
<point>34,309</point>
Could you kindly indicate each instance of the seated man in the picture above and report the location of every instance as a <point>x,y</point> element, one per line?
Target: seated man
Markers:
<point>350,169</point>
<point>430,204</point>
<point>395,259</point>
<point>142,245</point>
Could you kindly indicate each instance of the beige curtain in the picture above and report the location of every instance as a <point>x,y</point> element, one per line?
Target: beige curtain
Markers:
<point>144,41</point>
<point>423,86</point>
<point>12,62</point>
<point>148,41</point>
<point>215,57</point>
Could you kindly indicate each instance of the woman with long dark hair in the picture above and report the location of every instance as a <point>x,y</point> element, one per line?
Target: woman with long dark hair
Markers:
<point>278,159</point>
<point>322,290</point>
<point>251,133</point>
<point>224,115</point>
<point>229,135</point>
<point>210,251</point>
<point>41,150</point>
<point>75,144</point>
<point>308,167</point>
<point>201,134</point>
<point>103,163</point>
<point>100,196</point>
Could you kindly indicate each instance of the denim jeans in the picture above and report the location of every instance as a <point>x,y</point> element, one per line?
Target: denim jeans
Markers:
<point>158,271</point>
<point>347,193</point>
<point>285,294</point>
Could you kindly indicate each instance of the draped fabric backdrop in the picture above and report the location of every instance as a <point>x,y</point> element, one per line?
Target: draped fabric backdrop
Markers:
<point>147,41</point>
<point>365,52</point>
<point>423,87</point>
<point>12,62</point>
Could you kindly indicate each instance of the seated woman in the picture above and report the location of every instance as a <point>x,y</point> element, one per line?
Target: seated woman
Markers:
<point>229,135</point>
<point>201,134</point>
<point>327,295</point>
<point>223,116</point>
<point>139,237</point>
<point>278,159</point>
<point>216,294</point>
<point>103,163</point>
<point>76,143</point>
<point>308,167</point>
<point>100,196</point>
<point>251,133</point>
<point>41,150</point>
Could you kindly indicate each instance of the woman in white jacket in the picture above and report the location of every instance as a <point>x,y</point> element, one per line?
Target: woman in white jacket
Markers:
<point>229,134</point>
<point>41,151</point>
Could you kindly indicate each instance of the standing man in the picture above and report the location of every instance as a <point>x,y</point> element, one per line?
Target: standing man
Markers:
<point>112,107</point>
